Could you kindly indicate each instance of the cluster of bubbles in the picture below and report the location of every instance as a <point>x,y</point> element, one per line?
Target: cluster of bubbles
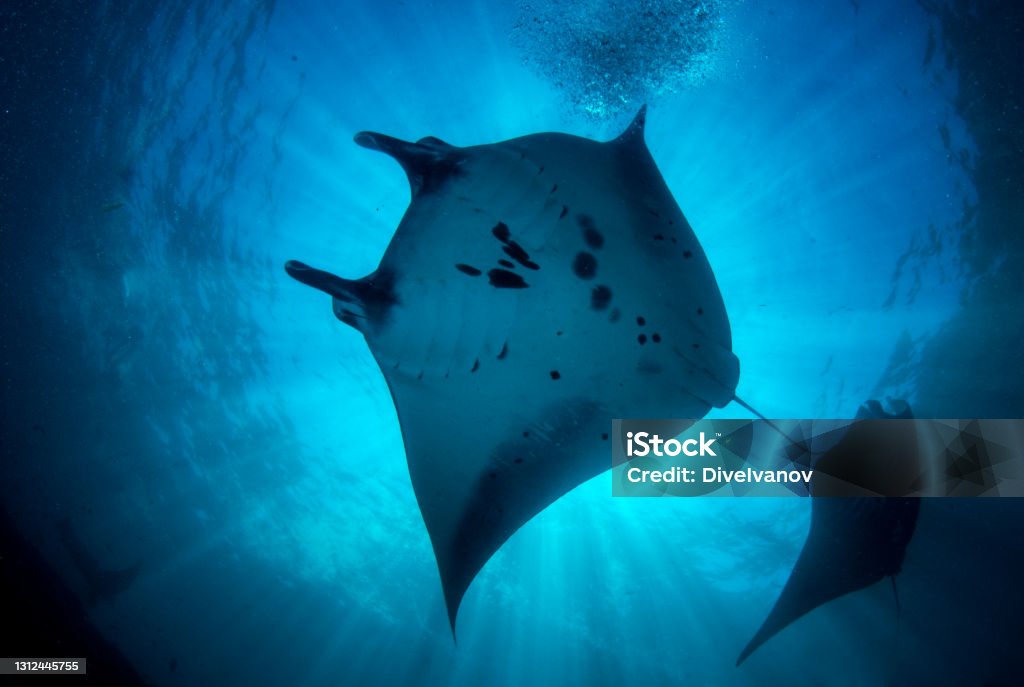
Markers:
<point>609,56</point>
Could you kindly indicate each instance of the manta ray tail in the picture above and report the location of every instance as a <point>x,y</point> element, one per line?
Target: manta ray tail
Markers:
<point>798,444</point>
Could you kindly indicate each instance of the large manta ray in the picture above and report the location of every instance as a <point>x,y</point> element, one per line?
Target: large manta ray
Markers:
<point>535,289</point>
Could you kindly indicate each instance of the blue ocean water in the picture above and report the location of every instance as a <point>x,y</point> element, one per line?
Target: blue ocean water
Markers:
<point>852,170</point>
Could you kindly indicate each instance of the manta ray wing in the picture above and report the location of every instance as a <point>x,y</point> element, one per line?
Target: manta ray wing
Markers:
<point>853,542</point>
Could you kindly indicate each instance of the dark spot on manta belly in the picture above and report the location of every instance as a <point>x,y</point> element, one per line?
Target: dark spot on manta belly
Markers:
<point>656,337</point>
<point>518,461</point>
<point>565,211</point>
<point>616,314</point>
<point>585,265</point>
<point>604,436</point>
<point>591,236</point>
<point>501,232</point>
<point>700,311</point>
<point>555,374</point>
<point>517,253</point>
<point>468,269</point>
<point>600,297</point>
<point>503,279</point>
<point>507,263</point>
<point>513,249</point>
<point>641,321</point>
<point>504,351</point>
<point>476,365</point>
<point>687,254</point>
<point>642,339</point>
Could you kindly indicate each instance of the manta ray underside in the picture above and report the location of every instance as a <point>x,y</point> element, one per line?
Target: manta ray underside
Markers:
<point>535,289</point>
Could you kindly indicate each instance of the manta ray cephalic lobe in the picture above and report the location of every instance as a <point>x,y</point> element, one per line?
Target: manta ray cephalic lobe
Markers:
<point>535,289</point>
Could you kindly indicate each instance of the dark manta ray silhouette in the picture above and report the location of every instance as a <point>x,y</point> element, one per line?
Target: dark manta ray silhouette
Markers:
<point>534,290</point>
<point>853,542</point>
<point>101,583</point>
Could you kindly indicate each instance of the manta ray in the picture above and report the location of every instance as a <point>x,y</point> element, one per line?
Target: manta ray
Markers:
<point>854,541</point>
<point>534,290</point>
